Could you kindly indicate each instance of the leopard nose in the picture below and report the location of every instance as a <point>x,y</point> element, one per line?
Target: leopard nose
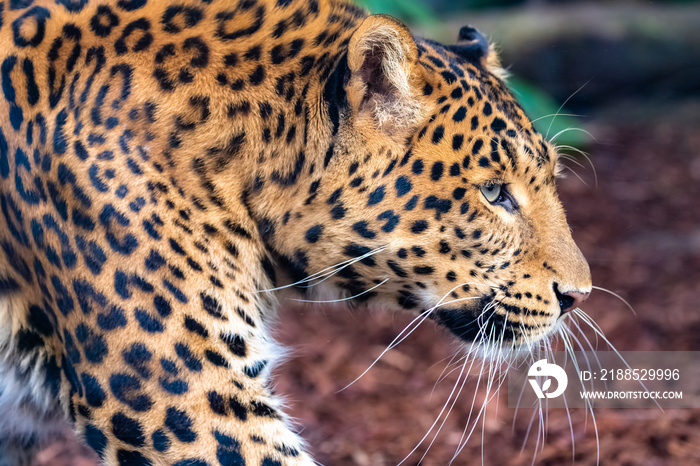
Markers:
<point>569,299</point>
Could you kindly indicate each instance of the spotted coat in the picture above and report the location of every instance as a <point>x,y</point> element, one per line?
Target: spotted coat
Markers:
<point>167,166</point>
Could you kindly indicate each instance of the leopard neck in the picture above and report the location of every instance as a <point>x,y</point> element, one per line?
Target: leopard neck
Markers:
<point>280,107</point>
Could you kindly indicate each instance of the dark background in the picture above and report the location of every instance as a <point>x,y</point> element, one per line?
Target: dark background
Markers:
<point>630,71</point>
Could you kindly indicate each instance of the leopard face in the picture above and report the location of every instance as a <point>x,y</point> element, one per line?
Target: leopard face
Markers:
<point>438,197</point>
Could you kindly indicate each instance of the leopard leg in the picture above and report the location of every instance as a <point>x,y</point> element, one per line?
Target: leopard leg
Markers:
<point>30,418</point>
<point>196,393</point>
<point>184,389</point>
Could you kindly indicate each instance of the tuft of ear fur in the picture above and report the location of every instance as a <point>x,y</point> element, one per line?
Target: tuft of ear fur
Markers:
<point>382,57</point>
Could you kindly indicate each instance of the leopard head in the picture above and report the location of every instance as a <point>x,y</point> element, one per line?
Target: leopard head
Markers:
<point>434,194</point>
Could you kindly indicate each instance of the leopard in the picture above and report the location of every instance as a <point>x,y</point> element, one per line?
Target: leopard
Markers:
<point>172,171</point>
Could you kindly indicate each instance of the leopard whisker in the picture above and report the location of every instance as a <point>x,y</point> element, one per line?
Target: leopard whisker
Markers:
<point>575,115</point>
<point>447,366</point>
<point>398,339</point>
<point>463,377</point>
<point>561,107</point>
<point>327,272</point>
<point>527,433</point>
<point>564,337</point>
<point>566,130</point>
<point>500,361</point>
<point>477,340</point>
<point>464,440</point>
<point>617,296</point>
<point>401,337</point>
<point>560,330</point>
<point>587,319</point>
<point>495,364</point>
<point>583,387</point>
<point>547,345</point>
<point>349,263</point>
<point>517,406</point>
<point>340,299</point>
<point>534,353</point>
<point>572,160</point>
<point>584,155</point>
<point>450,397</point>
<point>444,374</point>
<point>589,405</point>
<point>588,342</point>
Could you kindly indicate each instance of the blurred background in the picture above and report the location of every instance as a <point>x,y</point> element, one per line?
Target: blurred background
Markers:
<point>628,74</point>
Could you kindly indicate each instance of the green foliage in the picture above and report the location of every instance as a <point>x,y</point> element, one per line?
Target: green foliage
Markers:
<point>411,11</point>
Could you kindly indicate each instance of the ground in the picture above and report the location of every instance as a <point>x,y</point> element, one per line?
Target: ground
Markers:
<point>639,229</point>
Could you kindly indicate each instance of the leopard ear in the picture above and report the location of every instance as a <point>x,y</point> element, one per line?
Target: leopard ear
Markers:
<point>472,45</point>
<point>382,59</point>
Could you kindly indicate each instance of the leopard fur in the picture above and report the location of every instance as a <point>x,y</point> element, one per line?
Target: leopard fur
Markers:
<point>168,168</point>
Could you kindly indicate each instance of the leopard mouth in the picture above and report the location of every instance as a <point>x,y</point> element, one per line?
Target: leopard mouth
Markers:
<point>487,322</point>
<point>470,327</point>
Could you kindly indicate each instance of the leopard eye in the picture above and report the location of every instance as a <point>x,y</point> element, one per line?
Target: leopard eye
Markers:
<point>498,194</point>
<point>493,192</point>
